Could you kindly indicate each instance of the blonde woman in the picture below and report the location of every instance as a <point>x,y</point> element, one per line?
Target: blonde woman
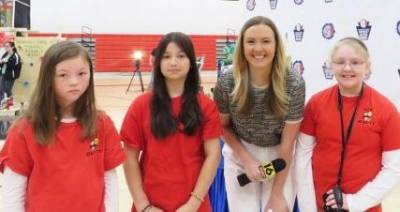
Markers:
<point>261,106</point>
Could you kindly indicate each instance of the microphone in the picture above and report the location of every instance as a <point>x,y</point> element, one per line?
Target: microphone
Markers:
<point>268,170</point>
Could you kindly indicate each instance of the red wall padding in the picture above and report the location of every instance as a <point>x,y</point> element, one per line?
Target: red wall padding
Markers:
<point>113,51</point>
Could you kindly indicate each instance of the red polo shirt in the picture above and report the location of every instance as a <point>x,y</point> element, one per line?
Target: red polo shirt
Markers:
<point>375,130</point>
<point>67,174</point>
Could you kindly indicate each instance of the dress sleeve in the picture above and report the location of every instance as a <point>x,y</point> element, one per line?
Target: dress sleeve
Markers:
<point>222,92</point>
<point>296,99</point>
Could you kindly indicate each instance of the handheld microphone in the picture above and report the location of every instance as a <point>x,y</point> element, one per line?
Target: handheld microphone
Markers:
<point>268,170</point>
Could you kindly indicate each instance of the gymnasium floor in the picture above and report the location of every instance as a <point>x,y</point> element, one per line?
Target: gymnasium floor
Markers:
<point>112,97</point>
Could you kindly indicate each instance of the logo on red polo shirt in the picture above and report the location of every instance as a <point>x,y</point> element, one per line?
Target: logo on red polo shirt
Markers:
<point>367,116</point>
<point>94,144</point>
<point>94,147</point>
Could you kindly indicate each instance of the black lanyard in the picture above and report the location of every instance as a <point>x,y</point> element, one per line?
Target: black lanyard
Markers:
<point>345,137</point>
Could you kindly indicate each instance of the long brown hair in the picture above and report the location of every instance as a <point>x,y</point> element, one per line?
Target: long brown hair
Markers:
<point>44,112</point>
<point>278,103</point>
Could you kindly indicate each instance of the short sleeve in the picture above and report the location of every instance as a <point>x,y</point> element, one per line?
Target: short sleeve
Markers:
<point>131,129</point>
<point>391,131</point>
<point>308,123</point>
<point>3,156</point>
<point>222,92</point>
<point>296,99</point>
<point>211,125</point>
<point>15,153</point>
<point>113,153</point>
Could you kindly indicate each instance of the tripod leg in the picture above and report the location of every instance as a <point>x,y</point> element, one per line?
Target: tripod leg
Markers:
<point>141,81</point>
<point>130,82</point>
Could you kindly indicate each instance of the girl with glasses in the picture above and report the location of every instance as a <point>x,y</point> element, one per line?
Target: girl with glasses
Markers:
<point>348,140</point>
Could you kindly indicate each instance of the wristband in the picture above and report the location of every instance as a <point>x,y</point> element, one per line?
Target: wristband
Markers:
<point>147,208</point>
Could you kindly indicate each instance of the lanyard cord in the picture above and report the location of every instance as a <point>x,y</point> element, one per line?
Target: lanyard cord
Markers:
<point>345,137</point>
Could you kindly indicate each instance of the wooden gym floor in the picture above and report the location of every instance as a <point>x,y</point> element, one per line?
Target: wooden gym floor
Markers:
<point>112,97</point>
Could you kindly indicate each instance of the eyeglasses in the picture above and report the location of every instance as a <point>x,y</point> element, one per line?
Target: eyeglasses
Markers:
<point>341,64</point>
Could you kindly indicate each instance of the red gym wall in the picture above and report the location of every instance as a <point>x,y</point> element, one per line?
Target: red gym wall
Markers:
<point>113,51</point>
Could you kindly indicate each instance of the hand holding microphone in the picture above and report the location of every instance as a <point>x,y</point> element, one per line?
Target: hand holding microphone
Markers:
<point>268,171</point>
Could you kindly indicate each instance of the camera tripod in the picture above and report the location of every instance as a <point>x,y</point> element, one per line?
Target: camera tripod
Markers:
<point>139,73</point>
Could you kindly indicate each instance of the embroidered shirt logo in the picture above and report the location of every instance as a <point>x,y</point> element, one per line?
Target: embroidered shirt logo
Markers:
<point>94,144</point>
<point>94,147</point>
<point>367,116</point>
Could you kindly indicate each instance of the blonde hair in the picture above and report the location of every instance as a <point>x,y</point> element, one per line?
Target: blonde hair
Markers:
<point>355,43</point>
<point>278,103</point>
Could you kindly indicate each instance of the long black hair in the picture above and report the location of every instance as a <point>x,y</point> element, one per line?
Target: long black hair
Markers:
<point>163,123</point>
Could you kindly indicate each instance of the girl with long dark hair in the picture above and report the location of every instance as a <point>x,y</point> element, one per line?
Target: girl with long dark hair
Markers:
<point>175,130</point>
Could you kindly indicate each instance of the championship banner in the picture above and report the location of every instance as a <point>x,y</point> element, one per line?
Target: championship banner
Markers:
<point>31,51</point>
